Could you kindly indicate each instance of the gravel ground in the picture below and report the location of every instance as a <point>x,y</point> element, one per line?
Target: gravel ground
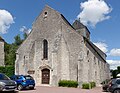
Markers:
<point>45,89</point>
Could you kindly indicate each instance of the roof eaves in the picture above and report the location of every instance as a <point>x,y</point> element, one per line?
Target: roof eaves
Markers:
<point>67,21</point>
<point>94,48</point>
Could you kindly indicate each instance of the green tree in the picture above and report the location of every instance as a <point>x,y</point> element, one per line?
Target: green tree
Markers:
<point>25,36</point>
<point>10,50</point>
<point>10,56</point>
<point>18,40</point>
<point>114,73</point>
<point>118,68</point>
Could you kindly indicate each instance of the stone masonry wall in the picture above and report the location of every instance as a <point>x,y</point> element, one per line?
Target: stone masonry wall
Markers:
<point>1,53</point>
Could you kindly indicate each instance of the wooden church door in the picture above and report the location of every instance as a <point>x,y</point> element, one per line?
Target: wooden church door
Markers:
<point>45,76</point>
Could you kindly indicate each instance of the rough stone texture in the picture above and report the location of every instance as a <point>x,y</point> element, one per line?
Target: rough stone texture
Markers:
<point>68,56</point>
<point>1,52</point>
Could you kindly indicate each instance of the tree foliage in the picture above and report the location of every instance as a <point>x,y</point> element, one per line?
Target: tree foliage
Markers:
<point>25,36</point>
<point>10,55</point>
<point>18,40</point>
<point>115,72</point>
<point>10,50</point>
<point>118,68</point>
<point>8,70</point>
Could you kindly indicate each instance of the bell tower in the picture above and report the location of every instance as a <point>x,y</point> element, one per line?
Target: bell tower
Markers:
<point>81,29</point>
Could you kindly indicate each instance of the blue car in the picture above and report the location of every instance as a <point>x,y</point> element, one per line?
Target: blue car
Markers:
<point>24,81</point>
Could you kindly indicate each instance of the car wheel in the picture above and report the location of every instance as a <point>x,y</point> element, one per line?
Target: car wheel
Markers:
<point>19,87</point>
<point>117,91</point>
<point>107,90</point>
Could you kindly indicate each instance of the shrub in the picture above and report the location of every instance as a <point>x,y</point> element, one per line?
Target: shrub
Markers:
<point>86,86</point>
<point>93,84</point>
<point>7,70</point>
<point>68,83</point>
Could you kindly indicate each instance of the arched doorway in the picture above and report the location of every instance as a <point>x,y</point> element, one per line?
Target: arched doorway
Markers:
<point>45,76</point>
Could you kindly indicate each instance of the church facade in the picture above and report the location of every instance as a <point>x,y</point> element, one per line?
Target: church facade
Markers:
<point>56,50</point>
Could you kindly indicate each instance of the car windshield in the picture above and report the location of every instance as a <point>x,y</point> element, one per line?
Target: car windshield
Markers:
<point>118,81</point>
<point>3,77</point>
<point>28,77</point>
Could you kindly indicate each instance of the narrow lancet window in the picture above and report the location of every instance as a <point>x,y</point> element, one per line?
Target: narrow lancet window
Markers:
<point>45,49</point>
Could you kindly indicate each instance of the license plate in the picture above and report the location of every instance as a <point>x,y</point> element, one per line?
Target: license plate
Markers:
<point>11,86</point>
<point>30,85</point>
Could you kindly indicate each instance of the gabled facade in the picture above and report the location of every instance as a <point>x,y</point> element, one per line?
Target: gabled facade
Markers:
<point>54,51</point>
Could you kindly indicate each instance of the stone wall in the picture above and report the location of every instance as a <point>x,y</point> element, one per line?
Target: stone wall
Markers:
<point>2,53</point>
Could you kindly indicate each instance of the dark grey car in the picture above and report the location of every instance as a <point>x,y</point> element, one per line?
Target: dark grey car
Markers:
<point>114,86</point>
<point>6,84</point>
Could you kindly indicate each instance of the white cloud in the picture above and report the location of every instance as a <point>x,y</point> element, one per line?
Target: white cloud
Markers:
<point>115,52</point>
<point>6,19</point>
<point>102,46</point>
<point>25,29</point>
<point>94,11</point>
<point>114,63</point>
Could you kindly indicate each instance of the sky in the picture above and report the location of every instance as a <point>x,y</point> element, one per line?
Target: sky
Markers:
<point>102,18</point>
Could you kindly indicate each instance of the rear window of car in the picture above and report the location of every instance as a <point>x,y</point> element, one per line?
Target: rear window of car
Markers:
<point>28,77</point>
<point>19,77</point>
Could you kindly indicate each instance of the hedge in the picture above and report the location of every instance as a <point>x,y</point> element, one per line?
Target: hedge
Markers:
<point>7,70</point>
<point>88,85</point>
<point>68,83</point>
<point>93,84</point>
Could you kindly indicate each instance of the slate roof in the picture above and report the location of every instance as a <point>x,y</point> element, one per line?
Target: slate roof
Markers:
<point>98,51</point>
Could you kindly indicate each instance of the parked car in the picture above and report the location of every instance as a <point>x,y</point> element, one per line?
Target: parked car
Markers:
<point>24,81</point>
<point>114,86</point>
<point>105,85</point>
<point>6,84</point>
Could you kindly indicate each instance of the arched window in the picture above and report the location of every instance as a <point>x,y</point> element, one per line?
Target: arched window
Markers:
<point>45,49</point>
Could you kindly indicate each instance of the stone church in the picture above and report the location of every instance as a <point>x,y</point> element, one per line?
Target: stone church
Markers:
<point>56,50</point>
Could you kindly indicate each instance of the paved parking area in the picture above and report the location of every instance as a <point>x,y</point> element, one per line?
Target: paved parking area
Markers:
<point>45,89</point>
